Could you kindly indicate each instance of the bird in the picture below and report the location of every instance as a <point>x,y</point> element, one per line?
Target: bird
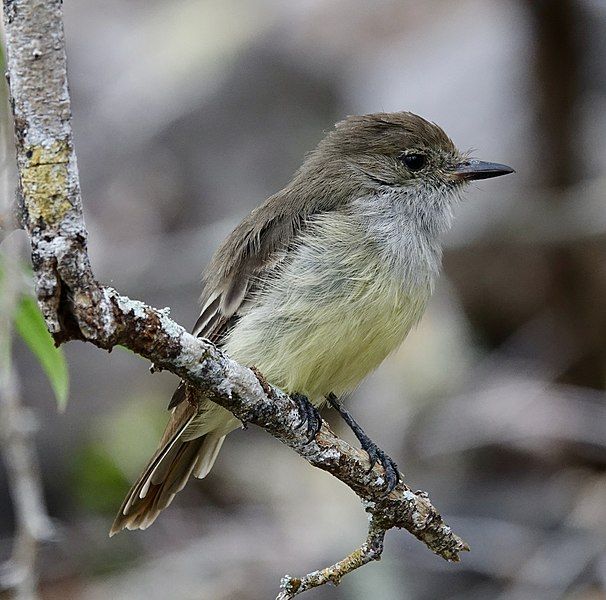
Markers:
<point>318,285</point>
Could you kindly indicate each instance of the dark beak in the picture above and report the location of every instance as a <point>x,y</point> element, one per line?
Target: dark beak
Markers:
<point>473,169</point>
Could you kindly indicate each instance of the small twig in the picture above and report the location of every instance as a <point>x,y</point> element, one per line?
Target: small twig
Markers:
<point>370,550</point>
<point>17,428</point>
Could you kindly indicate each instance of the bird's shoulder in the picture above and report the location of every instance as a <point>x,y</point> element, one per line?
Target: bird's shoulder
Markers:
<point>248,251</point>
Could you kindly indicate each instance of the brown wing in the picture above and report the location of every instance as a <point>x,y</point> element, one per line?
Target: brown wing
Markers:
<point>233,272</point>
<point>247,251</point>
<point>256,243</point>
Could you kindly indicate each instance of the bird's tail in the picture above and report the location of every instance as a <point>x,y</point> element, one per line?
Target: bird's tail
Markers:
<point>167,473</point>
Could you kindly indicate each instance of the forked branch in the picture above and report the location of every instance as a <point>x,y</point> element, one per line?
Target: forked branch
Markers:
<point>370,550</point>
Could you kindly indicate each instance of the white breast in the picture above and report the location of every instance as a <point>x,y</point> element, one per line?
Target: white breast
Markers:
<point>344,298</point>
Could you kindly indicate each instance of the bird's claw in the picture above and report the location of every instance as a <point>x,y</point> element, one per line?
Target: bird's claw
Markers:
<point>309,415</point>
<point>376,455</point>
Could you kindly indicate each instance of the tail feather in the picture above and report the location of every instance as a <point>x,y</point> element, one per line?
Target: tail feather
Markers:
<point>208,454</point>
<point>180,471</point>
<point>163,456</point>
<point>166,475</point>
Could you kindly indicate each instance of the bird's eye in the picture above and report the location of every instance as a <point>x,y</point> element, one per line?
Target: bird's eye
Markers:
<point>414,162</point>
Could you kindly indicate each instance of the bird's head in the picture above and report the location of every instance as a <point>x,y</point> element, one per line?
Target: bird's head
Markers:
<point>399,150</point>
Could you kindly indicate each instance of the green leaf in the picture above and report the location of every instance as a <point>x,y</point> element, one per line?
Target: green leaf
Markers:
<point>30,325</point>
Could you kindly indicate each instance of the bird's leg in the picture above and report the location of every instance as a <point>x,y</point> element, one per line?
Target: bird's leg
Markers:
<point>375,454</point>
<point>309,414</point>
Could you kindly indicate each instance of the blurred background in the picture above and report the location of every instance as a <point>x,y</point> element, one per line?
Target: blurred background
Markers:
<point>189,113</point>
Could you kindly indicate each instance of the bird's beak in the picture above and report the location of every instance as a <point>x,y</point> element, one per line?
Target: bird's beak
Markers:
<point>473,169</point>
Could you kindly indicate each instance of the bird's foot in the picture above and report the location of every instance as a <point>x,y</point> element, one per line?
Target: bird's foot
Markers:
<point>308,415</point>
<point>375,454</point>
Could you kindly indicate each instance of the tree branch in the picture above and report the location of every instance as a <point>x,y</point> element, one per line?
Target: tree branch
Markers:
<point>17,428</point>
<point>370,550</point>
<point>76,306</point>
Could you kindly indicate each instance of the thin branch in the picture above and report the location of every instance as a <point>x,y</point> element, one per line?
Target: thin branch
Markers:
<point>17,436</point>
<point>370,550</point>
<point>76,306</point>
<point>17,424</point>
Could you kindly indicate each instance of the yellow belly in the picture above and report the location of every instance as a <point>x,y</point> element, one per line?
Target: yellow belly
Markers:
<point>319,335</point>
